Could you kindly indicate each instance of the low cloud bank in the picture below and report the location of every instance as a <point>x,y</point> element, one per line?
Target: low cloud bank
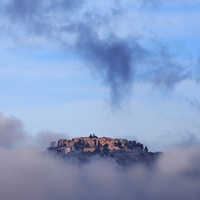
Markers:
<point>28,173</point>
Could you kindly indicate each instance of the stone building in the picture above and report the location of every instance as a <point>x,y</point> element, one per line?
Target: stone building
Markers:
<point>90,144</point>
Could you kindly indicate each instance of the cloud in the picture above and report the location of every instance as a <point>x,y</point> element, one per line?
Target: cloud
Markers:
<point>113,58</point>
<point>28,174</point>
<point>166,75</point>
<point>162,70</point>
<point>36,17</point>
<point>197,71</point>
<point>195,104</point>
<point>45,138</point>
<point>151,3</point>
<point>11,131</point>
<point>13,134</point>
<point>86,29</point>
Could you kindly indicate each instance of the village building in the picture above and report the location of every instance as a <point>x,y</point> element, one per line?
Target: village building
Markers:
<point>89,144</point>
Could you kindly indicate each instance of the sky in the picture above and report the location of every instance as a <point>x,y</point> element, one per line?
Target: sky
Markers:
<point>123,69</point>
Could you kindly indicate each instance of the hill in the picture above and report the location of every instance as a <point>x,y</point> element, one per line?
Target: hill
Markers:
<point>121,151</point>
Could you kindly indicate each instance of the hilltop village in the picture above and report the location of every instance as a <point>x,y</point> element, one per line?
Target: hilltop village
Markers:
<point>121,151</point>
<point>95,144</point>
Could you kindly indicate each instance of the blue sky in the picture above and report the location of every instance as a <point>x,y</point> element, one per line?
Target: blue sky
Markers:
<point>60,72</point>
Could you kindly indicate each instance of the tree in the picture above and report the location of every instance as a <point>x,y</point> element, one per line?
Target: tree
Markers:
<point>105,145</point>
<point>146,149</point>
<point>99,144</point>
<point>97,150</point>
<point>106,151</point>
<point>87,145</point>
<point>118,144</point>
<point>78,147</point>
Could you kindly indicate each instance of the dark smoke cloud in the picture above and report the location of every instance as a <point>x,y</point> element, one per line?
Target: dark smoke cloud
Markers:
<point>114,59</point>
<point>72,24</point>
<point>36,17</point>
<point>166,74</point>
<point>162,70</point>
<point>32,10</point>
<point>11,131</point>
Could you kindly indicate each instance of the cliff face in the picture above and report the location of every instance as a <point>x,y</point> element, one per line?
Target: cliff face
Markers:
<point>121,151</point>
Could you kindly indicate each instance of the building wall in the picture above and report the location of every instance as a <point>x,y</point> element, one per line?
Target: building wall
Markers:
<point>89,144</point>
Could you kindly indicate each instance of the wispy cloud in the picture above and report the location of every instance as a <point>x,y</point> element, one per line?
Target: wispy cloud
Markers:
<point>11,131</point>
